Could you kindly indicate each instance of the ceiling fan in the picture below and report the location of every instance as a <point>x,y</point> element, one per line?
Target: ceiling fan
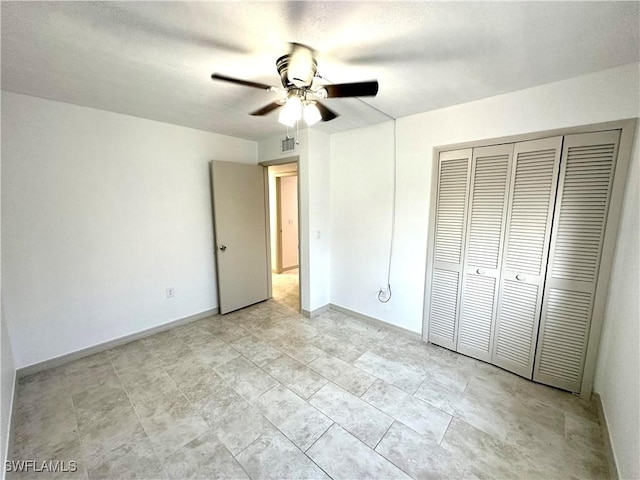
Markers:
<point>299,96</point>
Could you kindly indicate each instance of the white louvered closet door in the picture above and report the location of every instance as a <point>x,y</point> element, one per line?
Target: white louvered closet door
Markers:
<point>489,190</point>
<point>451,217</point>
<point>529,219</point>
<point>588,165</point>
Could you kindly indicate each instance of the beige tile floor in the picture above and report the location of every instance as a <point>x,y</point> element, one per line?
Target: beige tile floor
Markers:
<point>265,393</point>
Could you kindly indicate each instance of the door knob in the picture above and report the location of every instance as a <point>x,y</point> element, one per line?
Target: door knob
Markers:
<point>222,247</point>
<point>520,277</point>
<point>480,271</point>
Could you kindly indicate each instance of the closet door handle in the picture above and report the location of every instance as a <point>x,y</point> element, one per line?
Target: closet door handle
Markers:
<point>520,277</point>
<point>480,271</point>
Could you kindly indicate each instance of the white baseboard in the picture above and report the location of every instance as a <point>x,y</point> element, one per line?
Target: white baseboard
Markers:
<point>606,439</point>
<point>376,322</point>
<point>85,352</point>
<point>316,312</point>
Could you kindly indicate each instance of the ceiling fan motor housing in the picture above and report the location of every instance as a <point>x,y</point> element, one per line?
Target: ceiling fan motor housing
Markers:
<point>306,77</point>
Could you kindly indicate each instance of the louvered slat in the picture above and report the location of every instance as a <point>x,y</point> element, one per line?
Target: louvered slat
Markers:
<point>564,335</point>
<point>486,210</point>
<point>450,218</point>
<point>534,178</point>
<point>477,315</point>
<point>444,304</point>
<point>518,306</point>
<point>583,211</point>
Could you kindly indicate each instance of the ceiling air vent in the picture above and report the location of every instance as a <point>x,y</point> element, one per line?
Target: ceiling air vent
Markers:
<point>288,144</point>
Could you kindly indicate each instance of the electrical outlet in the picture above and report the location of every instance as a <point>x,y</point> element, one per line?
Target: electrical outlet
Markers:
<point>383,293</point>
<point>171,292</point>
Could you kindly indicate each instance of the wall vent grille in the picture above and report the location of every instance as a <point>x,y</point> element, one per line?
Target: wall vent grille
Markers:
<point>288,144</point>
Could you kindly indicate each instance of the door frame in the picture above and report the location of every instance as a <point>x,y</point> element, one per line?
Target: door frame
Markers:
<point>270,163</point>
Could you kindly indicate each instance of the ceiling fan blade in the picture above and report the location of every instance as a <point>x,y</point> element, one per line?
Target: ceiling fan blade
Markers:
<point>325,112</point>
<point>357,89</point>
<point>267,109</point>
<point>246,83</point>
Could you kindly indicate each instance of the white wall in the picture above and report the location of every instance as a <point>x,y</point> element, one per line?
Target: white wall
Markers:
<point>100,213</point>
<point>618,369</point>
<point>319,228</point>
<point>361,199</point>
<point>358,260</point>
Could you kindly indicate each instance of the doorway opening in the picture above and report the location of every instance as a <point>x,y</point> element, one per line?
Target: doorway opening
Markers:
<point>284,228</point>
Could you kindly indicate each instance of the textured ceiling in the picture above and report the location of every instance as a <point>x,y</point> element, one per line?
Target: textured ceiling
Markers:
<point>154,59</point>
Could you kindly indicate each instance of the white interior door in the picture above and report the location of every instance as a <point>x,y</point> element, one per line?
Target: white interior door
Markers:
<point>483,254</point>
<point>534,179</point>
<point>239,218</point>
<point>449,245</point>
<point>588,166</point>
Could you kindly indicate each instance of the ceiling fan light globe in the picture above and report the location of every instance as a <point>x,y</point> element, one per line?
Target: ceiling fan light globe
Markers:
<point>292,112</point>
<point>311,114</point>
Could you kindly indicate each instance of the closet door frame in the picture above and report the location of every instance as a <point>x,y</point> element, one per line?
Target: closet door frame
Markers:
<point>627,129</point>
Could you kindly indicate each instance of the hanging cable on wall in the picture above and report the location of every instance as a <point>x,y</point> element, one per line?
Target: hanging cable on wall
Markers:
<point>384,294</point>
